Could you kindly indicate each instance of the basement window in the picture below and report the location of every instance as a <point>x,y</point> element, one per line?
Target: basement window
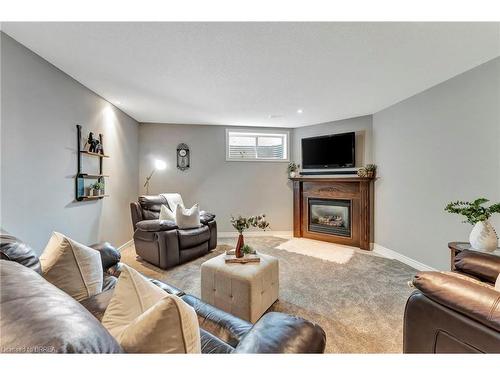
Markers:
<point>243,145</point>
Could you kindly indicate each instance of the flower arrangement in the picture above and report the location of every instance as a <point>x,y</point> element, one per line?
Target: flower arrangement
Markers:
<point>241,224</point>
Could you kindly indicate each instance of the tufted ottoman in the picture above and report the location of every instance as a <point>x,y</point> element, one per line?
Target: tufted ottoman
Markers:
<point>245,290</point>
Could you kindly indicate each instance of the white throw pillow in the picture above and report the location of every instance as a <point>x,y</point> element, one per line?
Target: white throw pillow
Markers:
<point>187,218</point>
<point>497,284</point>
<point>166,213</point>
<point>143,318</point>
<point>72,267</point>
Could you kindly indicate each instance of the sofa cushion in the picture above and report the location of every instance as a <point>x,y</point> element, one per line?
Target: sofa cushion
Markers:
<point>72,267</point>
<point>191,237</point>
<point>156,225</point>
<point>15,250</point>
<point>146,319</point>
<point>166,213</point>
<point>151,205</point>
<point>484,266</point>
<point>38,317</point>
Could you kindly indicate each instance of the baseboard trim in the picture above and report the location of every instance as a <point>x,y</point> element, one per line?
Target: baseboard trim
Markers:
<point>267,233</point>
<point>126,244</point>
<point>391,254</point>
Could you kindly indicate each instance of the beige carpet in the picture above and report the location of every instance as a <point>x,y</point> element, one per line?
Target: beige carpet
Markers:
<point>357,297</point>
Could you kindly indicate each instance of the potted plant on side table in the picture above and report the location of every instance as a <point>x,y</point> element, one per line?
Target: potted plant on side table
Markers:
<point>483,235</point>
<point>241,224</point>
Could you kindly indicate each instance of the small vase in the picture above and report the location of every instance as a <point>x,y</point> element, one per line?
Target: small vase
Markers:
<point>238,253</point>
<point>483,236</point>
<point>292,174</point>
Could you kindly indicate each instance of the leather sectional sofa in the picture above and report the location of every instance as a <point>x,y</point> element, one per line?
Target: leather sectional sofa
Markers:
<point>162,243</point>
<point>455,312</point>
<point>38,317</point>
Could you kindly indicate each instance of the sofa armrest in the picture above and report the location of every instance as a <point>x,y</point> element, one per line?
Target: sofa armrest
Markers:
<point>223,325</point>
<point>110,256</point>
<point>481,265</point>
<point>156,225</point>
<point>281,333</point>
<point>472,298</point>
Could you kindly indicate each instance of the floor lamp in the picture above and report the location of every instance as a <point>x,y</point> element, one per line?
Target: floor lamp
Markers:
<point>159,165</point>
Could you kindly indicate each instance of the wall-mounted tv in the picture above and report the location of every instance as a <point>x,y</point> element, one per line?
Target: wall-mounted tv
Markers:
<point>329,151</point>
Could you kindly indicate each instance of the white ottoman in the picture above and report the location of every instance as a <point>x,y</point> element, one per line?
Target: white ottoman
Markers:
<point>245,290</point>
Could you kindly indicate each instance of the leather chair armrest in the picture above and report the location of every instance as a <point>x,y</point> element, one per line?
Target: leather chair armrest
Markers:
<point>484,266</point>
<point>110,256</point>
<point>223,325</point>
<point>472,298</point>
<point>156,225</point>
<point>281,333</point>
<point>205,217</point>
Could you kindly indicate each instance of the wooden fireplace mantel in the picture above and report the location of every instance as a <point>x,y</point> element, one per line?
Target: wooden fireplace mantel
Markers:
<point>354,189</point>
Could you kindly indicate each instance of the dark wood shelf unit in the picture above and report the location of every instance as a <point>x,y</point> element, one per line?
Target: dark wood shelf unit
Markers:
<point>80,176</point>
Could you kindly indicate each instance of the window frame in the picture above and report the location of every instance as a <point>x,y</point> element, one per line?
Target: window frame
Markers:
<point>258,131</point>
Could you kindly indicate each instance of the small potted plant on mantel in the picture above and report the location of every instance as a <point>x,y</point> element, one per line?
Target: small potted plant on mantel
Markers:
<point>293,169</point>
<point>368,170</point>
<point>241,224</point>
<point>483,235</point>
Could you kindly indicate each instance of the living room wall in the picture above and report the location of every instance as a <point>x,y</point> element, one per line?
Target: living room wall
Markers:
<point>40,107</point>
<point>223,187</point>
<point>438,146</point>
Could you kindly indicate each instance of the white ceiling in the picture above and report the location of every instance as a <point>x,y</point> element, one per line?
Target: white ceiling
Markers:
<point>258,74</point>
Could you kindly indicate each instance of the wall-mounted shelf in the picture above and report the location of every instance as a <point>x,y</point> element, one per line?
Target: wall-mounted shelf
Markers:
<point>92,197</point>
<point>80,188</point>
<point>94,154</point>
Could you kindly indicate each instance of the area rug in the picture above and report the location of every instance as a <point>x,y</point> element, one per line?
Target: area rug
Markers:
<point>356,297</point>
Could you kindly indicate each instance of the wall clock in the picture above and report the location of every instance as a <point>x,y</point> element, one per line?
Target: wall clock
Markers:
<point>183,156</point>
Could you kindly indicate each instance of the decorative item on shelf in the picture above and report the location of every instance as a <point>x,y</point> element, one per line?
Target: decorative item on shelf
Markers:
<point>98,188</point>
<point>159,165</point>
<point>368,170</point>
<point>293,170</point>
<point>483,235</point>
<point>94,145</point>
<point>183,158</point>
<point>242,223</point>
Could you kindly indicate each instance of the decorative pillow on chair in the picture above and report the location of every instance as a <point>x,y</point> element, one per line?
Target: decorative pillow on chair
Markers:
<point>173,200</point>
<point>187,218</point>
<point>166,213</point>
<point>145,319</point>
<point>72,267</point>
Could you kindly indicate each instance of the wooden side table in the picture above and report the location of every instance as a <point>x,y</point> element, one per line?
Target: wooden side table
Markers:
<point>456,247</point>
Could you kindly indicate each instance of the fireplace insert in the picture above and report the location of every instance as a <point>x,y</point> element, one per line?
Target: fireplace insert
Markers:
<point>330,216</point>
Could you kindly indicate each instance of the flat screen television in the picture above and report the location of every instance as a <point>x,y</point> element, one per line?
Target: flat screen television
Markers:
<point>329,151</point>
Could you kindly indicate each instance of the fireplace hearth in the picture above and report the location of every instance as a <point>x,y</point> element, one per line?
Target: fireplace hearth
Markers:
<point>333,209</point>
<point>331,216</point>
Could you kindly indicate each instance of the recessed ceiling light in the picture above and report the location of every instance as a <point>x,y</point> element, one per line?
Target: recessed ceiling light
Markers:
<point>300,111</point>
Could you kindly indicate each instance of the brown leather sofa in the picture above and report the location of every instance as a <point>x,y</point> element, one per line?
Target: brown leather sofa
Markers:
<point>37,317</point>
<point>455,312</point>
<point>162,243</point>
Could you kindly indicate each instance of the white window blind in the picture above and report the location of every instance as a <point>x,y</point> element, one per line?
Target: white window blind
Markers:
<point>242,145</point>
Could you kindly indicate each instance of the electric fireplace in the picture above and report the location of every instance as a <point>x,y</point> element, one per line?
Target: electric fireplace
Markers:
<point>331,216</point>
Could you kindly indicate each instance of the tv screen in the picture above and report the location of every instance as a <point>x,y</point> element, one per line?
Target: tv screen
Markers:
<point>329,151</point>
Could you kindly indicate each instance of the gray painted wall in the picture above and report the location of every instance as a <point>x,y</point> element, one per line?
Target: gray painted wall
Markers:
<point>440,145</point>
<point>362,126</point>
<point>40,107</point>
<point>220,186</point>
